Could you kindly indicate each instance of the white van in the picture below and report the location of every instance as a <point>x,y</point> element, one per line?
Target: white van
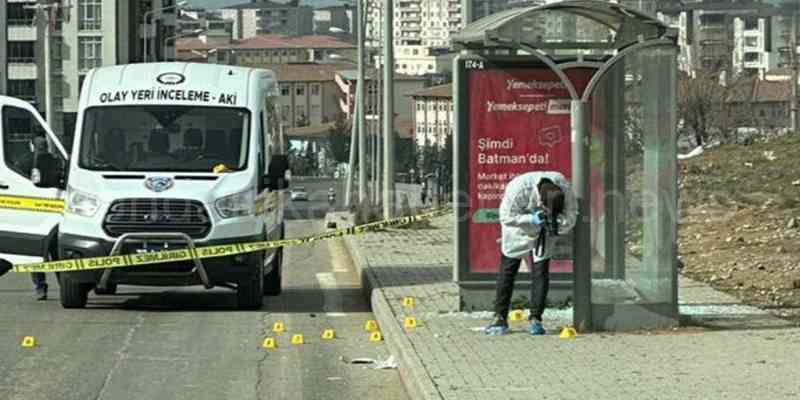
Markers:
<point>165,156</point>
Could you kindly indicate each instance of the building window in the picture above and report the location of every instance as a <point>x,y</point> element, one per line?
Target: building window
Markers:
<point>284,90</point>
<point>750,23</point>
<point>20,52</point>
<point>22,89</point>
<point>316,110</point>
<point>315,89</point>
<point>90,52</point>
<point>751,57</point>
<point>19,15</point>
<point>751,41</point>
<point>90,14</point>
<point>287,113</point>
<point>300,90</point>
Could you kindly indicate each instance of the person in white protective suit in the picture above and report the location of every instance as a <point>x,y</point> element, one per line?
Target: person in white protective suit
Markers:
<point>536,208</point>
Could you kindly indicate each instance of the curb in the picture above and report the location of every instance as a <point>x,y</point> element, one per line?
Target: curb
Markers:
<point>412,372</point>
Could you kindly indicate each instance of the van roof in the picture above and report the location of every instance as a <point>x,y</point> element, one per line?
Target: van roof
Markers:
<point>173,82</point>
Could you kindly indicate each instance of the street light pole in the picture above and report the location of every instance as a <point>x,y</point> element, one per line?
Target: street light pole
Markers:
<point>46,10</point>
<point>794,113</point>
<point>362,139</point>
<point>145,32</point>
<point>388,109</point>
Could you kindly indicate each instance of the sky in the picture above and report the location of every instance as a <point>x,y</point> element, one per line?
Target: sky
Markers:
<point>225,3</point>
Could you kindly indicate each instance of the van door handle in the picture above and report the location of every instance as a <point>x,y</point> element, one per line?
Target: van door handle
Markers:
<point>3,186</point>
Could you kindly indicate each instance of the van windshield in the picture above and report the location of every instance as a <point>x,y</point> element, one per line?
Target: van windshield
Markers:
<point>164,138</point>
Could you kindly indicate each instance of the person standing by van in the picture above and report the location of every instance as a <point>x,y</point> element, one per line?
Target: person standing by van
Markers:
<point>536,208</point>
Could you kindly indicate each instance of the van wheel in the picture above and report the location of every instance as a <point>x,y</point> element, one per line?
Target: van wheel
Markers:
<point>73,294</point>
<point>111,288</point>
<point>250,293</point>
<point>272,281</point>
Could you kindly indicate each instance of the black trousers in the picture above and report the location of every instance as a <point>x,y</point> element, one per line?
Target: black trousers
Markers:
<point>540,284</point>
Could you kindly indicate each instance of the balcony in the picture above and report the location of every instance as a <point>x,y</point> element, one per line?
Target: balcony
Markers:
<point>22,69</point>
<point>410,18</point>
<point>411,28</point>
<point>22,33</point>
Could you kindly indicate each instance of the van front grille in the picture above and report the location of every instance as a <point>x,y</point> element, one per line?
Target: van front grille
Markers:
<point>157,216</point>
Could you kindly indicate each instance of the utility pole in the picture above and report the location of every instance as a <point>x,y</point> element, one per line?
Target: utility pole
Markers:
<point>362,138</point>
<point>388,109</point>
<point>794,115</point>
<point>47,10</point>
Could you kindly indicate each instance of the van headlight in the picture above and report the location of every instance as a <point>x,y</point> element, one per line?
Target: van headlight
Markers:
<point>237,205</point>
<point>80,203</point>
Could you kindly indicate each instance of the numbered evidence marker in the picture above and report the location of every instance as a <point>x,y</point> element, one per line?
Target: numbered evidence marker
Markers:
<point>298,339</point>
<point>410,323</point>
<point>269,343</point>
<point>375,336</point>
<point>568,333</point>
<point>279,327</point>
<point>28,342</point>
<point>329,334</point>
<point>517,315</point>
<point>371,326</point>
<point>409,302</point>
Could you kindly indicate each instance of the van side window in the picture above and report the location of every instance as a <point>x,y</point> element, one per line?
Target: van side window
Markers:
<point>22,134</point>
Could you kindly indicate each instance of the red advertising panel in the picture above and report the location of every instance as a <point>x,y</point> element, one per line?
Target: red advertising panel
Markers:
<point>519,122</point>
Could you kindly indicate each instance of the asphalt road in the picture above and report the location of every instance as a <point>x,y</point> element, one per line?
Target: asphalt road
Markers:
<point>188,343</point>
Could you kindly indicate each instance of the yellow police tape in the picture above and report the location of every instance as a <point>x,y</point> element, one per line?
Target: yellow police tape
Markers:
<point>167,256</point>
<point>32,204</point>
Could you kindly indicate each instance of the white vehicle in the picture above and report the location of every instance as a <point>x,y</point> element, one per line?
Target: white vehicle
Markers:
<point>165,156</point>
<point>299,193</point>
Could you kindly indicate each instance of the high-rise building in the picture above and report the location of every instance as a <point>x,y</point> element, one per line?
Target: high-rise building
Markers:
<point>84,34</point>
<point>422,30</point>
<point>266,17</point>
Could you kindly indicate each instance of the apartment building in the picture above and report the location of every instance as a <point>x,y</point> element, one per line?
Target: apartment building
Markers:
<point>278,49</point>
<point>309,95</point>
<point>404,85</point>
<point>340,18</point>
<point>84,34</point>
<point>422,30</point>
<point>749,37</point>
<point>266,17</point>
<point>21,52</point>
<point>433,116</point>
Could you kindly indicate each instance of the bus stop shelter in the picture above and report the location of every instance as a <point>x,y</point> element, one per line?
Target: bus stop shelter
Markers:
<point>586,88</point>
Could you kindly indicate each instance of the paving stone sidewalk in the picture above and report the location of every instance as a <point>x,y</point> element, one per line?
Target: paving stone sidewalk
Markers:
<point>724,351</point>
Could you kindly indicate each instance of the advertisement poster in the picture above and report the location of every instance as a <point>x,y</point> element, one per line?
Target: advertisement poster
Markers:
<point>519,122</point>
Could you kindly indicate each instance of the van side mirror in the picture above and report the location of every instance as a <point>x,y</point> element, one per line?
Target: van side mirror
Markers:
<point>47,171</point>
<point>276,173</point>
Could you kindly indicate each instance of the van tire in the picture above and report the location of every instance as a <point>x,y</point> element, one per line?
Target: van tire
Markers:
<point>272,280</point>
<point>73,294</point>
<point>250,292</point>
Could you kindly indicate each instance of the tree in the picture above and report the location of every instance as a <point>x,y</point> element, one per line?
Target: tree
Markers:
<point>311,161</point>
<point>338,143</point>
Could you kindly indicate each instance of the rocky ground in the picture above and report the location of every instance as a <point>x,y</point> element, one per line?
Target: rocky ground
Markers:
<point>740,222</point>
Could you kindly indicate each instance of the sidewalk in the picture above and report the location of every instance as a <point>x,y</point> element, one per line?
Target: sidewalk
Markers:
<point>725,351</point>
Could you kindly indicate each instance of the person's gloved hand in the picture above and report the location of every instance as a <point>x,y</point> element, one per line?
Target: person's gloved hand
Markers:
<point>539,217</point>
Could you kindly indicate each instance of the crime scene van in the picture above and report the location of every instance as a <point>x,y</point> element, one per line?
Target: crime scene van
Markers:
<point>172,156</point>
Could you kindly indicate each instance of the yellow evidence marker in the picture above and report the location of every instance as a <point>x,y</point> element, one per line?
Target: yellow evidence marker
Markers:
<point>371,326</point>
<point>269,343</point>
<point>298,339</point>
<point>375,336</point>
<point>568,333</point>
<point>279,327</point>
<point>517,315</point>
<point>329,334</point>
<point>409,302</point>
<point>410,323</point>
<point>28,341</point>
